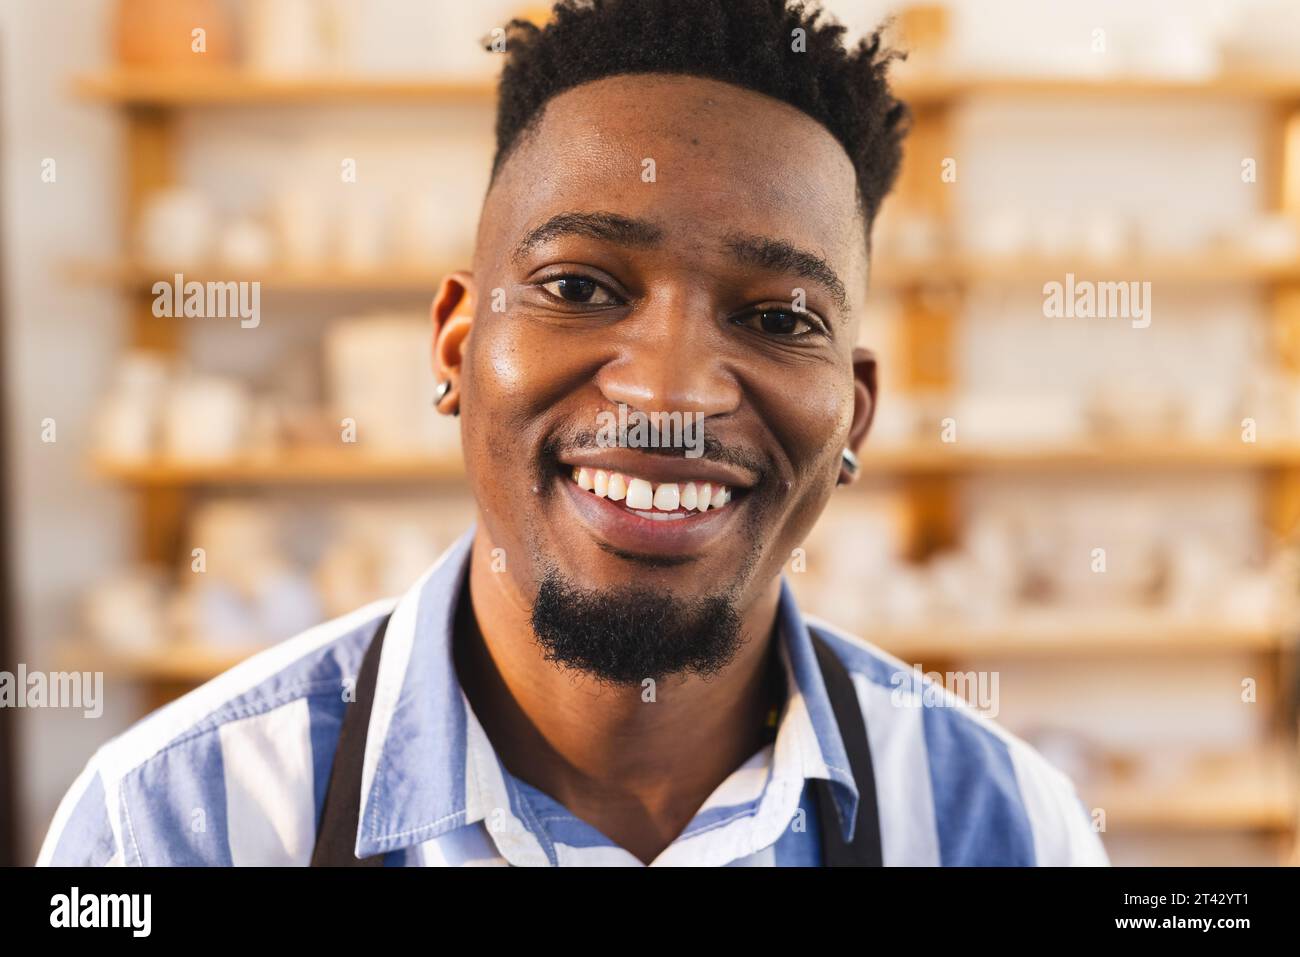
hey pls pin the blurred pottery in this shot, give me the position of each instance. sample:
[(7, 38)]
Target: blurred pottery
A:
[(162, 34), (285, 37), (176, 228)]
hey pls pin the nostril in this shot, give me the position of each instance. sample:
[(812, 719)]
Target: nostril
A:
[(686, 380)]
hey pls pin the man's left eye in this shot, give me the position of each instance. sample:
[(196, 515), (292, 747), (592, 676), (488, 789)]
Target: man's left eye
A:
[(579, 290), (779, 322)]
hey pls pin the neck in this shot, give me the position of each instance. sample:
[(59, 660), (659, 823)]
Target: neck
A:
[(635, 762)]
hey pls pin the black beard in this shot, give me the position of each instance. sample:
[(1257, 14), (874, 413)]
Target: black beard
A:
[(628, 635)]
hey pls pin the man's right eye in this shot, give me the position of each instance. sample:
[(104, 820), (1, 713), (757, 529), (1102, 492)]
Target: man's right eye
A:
[(580, 290)]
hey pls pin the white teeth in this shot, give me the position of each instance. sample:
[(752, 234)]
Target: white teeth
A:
[(639, 494), (661, 516), (649, 500), (667, 497), (617, 488), (689, 495)]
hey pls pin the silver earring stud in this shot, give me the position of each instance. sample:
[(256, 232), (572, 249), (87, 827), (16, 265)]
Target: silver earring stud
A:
[(850, 462), (441, 392)]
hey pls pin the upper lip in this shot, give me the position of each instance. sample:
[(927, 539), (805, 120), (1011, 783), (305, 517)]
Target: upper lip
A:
[(659, 468)]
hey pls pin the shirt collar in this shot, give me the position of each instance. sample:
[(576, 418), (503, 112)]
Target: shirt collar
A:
[(429, 768)]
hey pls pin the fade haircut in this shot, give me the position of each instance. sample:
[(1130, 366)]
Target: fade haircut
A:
[(747, 43)]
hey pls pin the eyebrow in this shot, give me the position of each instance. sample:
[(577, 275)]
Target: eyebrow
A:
[(760, 251), (777, 254), (609, 227)]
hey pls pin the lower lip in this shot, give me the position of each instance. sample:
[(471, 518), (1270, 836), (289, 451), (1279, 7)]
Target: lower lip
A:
[(626, 531)]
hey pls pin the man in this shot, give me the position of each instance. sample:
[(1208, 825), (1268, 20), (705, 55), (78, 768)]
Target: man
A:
[(608, 667)]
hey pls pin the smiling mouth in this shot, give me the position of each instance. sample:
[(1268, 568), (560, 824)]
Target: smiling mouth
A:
[(660, 502)]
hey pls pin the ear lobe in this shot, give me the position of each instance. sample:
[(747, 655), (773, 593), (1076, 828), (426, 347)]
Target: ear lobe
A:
[(452, 314)]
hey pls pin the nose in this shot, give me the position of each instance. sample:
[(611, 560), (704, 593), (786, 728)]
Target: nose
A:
[(671, 359)]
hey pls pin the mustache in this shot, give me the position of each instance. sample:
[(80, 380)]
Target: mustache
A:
[(715, 450)]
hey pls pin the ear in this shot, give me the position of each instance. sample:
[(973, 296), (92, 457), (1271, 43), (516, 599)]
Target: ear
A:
[(864, 402), (452, 314)]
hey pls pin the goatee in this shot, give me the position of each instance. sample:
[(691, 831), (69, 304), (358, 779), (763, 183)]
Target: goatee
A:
[(627, 635)]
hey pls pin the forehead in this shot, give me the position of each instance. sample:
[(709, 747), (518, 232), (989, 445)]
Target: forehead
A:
[(721, 158)]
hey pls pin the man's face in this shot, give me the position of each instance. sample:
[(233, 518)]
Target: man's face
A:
[(643, 246)]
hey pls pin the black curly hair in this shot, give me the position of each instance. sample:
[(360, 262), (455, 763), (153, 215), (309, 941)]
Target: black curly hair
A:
[(748, 43)]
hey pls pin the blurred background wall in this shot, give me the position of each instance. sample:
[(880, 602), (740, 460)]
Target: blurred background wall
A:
[(1090, 517)]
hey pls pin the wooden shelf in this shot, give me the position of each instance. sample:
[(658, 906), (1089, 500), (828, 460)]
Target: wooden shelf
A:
[(391, 278), (937, 457), (147, 88), (887, 273), (323, 467), (1208, 267), (1046, 636), (938, 88), (232, 87), (193, 662), (1253, 791), (179, 663), (301, 468)]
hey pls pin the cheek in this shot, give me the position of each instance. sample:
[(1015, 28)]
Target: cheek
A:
[(810, 415), (519, 369), (500, 361), (499, 378)]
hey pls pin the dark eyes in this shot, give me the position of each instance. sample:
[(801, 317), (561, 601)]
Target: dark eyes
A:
[(774, 321), (580, 290), (779, 322)]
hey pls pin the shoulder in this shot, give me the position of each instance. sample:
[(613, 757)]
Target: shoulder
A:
[(965, 790), (232, 770)]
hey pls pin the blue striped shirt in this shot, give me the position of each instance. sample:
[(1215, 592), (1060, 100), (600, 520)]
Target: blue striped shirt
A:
[(234, 773)]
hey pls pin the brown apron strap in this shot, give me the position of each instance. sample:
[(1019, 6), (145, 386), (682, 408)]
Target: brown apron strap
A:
[(336, 838)]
